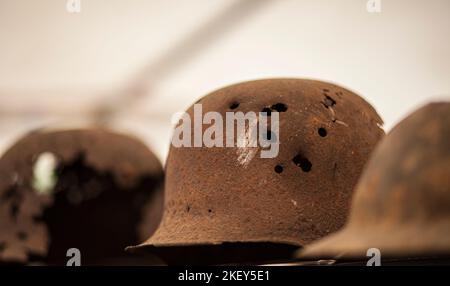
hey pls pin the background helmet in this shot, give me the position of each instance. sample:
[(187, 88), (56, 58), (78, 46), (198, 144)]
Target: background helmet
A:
[(402, 203), (231, 197), (85, 189)]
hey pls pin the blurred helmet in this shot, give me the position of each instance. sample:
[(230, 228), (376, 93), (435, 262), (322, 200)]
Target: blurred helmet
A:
[(90, 189), (231, 197), (402, 203)]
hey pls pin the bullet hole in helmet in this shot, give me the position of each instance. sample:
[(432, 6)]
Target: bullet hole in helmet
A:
[(266, 111), (278, 169), (188, 208), (322, 132), (210, 210), (234, 105), (22, 235), (329, 101), (302, 162), (280, 107)]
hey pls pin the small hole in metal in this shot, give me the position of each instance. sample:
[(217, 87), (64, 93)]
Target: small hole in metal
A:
[(322, 132), (278, 169)]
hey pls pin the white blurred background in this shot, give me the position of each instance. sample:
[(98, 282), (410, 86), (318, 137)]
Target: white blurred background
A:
[(134, 63)]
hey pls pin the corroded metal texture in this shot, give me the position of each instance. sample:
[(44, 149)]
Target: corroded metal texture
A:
[(402, 203), (107, 193), (216, 195)]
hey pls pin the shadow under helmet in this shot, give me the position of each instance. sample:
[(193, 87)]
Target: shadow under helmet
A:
[(222, 201)]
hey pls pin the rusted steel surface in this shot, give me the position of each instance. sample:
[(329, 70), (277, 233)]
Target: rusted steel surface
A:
[(108, 192), (401, 204), (213, 196)]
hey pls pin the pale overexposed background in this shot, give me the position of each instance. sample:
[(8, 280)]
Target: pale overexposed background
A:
[(145, 60)]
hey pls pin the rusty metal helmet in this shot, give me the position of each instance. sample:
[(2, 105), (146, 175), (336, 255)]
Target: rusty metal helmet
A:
[(232, 198), (402, 203), (90, 189)]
